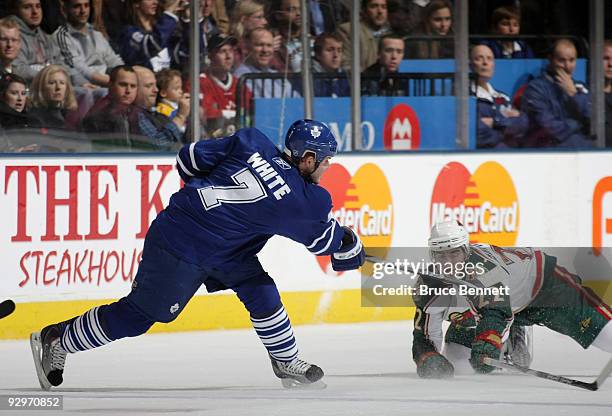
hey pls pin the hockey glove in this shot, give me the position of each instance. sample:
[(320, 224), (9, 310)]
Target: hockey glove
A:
[(434, 365), (351, 255), (486, 344)]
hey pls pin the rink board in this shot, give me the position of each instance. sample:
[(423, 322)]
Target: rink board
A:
[(73, 227)]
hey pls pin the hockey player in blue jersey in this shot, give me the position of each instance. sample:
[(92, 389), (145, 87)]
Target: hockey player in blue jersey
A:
[(239, 191)]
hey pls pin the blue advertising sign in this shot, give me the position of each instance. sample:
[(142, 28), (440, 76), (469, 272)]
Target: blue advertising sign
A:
[(388, 123)]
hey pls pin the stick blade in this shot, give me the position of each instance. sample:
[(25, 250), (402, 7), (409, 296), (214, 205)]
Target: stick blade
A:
[(6, 308)]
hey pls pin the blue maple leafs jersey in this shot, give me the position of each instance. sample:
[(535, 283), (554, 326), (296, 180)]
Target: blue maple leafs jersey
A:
[(238, 193)]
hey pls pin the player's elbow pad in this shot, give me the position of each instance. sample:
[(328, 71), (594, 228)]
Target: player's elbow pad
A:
[(351, 255)]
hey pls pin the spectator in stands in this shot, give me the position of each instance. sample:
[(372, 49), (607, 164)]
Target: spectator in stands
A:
[(84, 49), (248, 15), (14, 116), (287, 21), (558, 107), (506, 21), (109, 121), (146, 40), (114, 17), (97, 18), (325, 16), (10, 43), (437, 21), (13, 101), (328, 60), (218, 88), (219, 13), (53, 99), (260, 47), (170, 86), (379, 80), (124, 120), (404, 16), (373, 25), (608, 90), (499, 124), (54, 18), (180, 44), (163, 132), (38, 49)]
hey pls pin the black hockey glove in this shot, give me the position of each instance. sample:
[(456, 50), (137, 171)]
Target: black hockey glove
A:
[(351, 255), (434, 365)]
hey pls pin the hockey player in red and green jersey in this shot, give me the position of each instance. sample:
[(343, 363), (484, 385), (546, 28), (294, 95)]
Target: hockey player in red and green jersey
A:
[(533, 290)]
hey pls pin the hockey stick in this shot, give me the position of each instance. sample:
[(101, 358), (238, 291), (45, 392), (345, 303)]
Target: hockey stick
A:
[(560, 379), (6, 308), (443, 279)]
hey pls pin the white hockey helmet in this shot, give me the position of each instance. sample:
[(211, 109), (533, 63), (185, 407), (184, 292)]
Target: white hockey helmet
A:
[(448, 235)]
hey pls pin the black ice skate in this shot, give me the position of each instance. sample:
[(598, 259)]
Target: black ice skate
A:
[(298, 373), (49, 356)]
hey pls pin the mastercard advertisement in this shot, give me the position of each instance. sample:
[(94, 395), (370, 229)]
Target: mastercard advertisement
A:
[(485, 201), (363, 201)]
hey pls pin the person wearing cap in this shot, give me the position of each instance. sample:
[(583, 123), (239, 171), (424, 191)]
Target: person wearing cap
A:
[(218, 86)]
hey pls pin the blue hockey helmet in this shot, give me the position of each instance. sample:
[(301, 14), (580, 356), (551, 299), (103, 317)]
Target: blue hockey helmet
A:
[(310, 136)]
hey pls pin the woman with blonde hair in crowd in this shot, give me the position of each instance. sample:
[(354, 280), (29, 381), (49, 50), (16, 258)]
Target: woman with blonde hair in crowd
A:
[(437, 21), (54, 103), (248, 15)]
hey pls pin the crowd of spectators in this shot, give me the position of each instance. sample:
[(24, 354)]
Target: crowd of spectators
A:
[(114, 72)]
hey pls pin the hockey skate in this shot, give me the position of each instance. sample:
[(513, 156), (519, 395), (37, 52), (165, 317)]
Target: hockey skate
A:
[(518, 348), (49, 356), (298, 374)]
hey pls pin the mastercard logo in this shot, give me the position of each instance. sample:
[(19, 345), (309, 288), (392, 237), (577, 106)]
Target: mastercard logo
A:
[(402, 130), (485, 202), (361, 201)]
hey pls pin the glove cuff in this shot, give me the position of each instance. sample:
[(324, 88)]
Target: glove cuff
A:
[(492, 337)]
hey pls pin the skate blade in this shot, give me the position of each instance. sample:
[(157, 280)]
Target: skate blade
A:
[(36, 346), (296, 385)]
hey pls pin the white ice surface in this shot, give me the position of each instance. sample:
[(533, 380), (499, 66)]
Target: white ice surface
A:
[(369, 371)]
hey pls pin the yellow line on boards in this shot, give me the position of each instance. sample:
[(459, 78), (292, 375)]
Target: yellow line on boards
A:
[(219, 311)]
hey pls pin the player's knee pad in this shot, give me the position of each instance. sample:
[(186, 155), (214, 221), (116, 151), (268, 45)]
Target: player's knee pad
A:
[(122, 319), (259, 295)]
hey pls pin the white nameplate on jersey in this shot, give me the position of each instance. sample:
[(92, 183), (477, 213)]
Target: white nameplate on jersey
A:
[(269, 175), (280, 162)]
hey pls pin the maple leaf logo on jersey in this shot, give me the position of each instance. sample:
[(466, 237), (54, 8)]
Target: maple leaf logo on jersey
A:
[(315, 131)]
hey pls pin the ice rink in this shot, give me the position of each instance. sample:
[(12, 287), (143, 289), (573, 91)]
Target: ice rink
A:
[(369, 371)]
